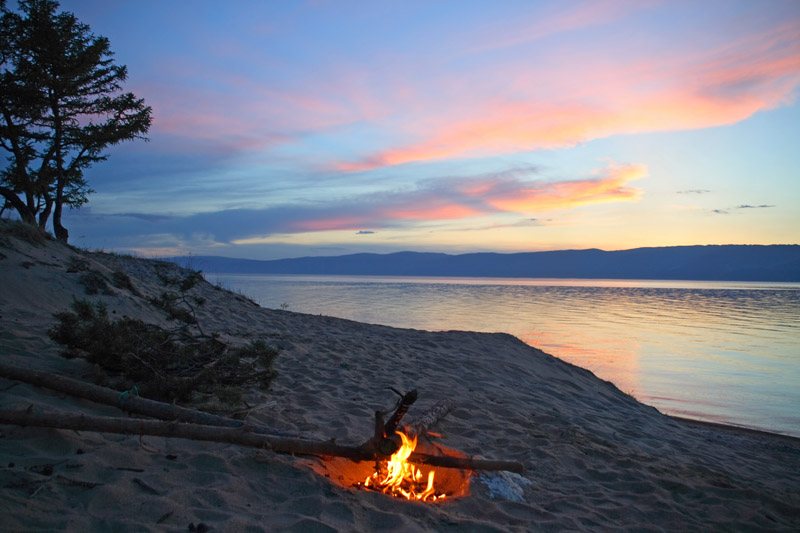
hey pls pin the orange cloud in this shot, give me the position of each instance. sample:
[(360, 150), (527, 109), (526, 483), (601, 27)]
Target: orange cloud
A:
[(485, 195), (611, 187)]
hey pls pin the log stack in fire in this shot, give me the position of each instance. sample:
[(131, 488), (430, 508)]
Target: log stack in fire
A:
[(408, 464)]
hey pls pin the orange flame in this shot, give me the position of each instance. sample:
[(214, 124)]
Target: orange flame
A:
[(402, 479)]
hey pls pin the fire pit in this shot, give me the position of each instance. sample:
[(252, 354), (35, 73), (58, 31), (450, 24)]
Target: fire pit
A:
[(400, 478), (406, 463)]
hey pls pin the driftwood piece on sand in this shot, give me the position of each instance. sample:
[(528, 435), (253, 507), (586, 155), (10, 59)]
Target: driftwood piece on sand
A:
[(241, 436), (432, 416), (130, 403)]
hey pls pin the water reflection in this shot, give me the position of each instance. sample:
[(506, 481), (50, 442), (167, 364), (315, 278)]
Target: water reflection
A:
[(724, 352)]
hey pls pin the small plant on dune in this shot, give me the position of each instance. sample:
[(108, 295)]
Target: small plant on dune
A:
[(165, 365), (93, 283), (177, 302), (122, 281), (77, 264)]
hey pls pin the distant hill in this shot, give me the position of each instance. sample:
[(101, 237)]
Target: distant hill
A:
[(724, 263)]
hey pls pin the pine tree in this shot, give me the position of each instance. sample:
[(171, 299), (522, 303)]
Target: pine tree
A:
[(62, 105)]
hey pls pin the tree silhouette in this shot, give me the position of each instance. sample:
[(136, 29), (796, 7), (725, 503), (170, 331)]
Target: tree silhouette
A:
[(62, 105)]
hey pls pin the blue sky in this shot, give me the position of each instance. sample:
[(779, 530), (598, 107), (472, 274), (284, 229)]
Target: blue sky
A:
[(285, 129)]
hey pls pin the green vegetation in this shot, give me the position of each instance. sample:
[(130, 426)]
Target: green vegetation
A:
[(94, 283), (122, 281), (165, 364), (180, 305)]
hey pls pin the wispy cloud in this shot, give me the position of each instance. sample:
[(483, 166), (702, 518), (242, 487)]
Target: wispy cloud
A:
[(563, 18), (520, 191), (723, 86), (728, 210), (694, 191)]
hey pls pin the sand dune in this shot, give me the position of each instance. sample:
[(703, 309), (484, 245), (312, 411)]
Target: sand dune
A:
[(594, 457)]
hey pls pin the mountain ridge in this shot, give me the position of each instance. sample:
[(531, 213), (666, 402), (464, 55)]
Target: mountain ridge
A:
[(730, 262)]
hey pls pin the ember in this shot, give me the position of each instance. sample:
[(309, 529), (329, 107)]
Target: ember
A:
[(401, 478)]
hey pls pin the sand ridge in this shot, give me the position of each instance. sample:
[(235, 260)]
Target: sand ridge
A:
[(595, 458)]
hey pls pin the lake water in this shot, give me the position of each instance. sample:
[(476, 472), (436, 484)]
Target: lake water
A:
[(717, 351)]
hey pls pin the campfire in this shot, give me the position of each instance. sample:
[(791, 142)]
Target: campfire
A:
[(401, 462), (402, 479), (398, 477), (405, 462)]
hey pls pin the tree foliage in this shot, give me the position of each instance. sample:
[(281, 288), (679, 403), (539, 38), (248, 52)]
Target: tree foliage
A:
[(62, 105)]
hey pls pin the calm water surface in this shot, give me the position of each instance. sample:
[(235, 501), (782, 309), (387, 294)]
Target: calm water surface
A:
[(718, 351)]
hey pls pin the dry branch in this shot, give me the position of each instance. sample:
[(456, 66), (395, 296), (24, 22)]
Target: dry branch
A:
[(241, 436), (128, 402)]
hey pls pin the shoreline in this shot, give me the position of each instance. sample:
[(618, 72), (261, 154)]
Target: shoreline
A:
[(676, 365), (737, 430), (594, 458)]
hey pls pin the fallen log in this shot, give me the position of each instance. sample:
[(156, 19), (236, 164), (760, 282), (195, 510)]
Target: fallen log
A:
[(241, 436), (128, 402)]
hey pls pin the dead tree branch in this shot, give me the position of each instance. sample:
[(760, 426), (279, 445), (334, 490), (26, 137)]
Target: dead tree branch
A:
[(240, 436), (130, 403)]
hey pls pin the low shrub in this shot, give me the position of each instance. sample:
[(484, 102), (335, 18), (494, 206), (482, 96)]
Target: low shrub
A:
[(165, 365)]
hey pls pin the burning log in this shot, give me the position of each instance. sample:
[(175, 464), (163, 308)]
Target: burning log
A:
[(242, 436), (402, 408), (386, 440)]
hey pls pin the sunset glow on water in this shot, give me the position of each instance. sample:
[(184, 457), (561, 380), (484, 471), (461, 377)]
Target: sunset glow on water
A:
[(717, 351)]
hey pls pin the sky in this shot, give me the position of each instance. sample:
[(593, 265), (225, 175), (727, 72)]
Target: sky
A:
[(290, 129)]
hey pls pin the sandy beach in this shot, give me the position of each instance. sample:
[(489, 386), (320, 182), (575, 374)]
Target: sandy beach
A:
[(594, 458)]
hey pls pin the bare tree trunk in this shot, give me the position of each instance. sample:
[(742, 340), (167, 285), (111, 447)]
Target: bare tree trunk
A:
[(60, 231), (45, 214)]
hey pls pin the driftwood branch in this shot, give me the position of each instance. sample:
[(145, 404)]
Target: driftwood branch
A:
[(241, 436), (432, 416), (129, 402), (206, 426)]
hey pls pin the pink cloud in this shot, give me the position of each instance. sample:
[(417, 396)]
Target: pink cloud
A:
[(460, 198), (576, 103), (438, 212), (335, 223)]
